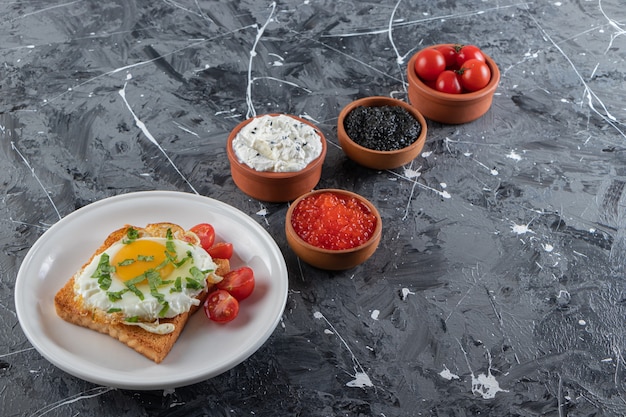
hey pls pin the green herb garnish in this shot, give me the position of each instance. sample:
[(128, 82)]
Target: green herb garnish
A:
[(169, 243), (178, 287), (164, 310), (193, 284), (154, 280), (126, 262), (103, 272), (197, 274), (132, 234), (133, 288), (116, 295)]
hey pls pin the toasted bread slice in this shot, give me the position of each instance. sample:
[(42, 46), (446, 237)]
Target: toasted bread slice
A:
[(70, 307)]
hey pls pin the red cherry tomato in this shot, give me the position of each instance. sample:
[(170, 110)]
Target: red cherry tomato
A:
[(429, 64), (206, 233), (221, 250), (448, 82), (467, 52), (238, 282), (475, 75), (449, 53), (221, 307)]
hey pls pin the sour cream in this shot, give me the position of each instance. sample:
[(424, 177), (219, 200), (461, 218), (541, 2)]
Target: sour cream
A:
[(277, 144)]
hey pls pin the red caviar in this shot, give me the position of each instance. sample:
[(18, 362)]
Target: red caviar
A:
[(333, 221)]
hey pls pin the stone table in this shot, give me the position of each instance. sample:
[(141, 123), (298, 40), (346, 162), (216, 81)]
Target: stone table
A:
[(498, 288)]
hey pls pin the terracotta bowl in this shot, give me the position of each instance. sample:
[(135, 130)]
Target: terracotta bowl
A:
[(451, 108), (274, 186), (333, 259), (380, 159)]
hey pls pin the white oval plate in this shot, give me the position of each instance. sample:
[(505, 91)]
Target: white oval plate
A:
[(204, 349)]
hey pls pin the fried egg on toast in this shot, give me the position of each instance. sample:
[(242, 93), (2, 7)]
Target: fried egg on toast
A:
[(141, 286)]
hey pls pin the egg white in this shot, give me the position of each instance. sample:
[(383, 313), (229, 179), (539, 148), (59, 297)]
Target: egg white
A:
[(130, 306)]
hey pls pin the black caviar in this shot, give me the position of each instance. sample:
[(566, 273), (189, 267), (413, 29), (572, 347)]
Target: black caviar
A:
[(382, 128)]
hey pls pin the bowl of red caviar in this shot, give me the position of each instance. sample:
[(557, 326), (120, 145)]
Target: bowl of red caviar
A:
[(381, 132), (271, 157), (333, 229)]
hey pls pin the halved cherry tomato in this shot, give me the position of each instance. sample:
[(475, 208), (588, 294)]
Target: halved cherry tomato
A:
[(475, 74), (238, 282), (449, 53), (221, 307), (429, 64), (467, 52), (206, 233), (221, 250), (449, 82)]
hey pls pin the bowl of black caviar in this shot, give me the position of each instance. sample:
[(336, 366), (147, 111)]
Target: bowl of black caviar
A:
[(381, 132)]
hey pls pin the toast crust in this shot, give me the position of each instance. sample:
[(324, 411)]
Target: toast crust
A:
[(71, 308)]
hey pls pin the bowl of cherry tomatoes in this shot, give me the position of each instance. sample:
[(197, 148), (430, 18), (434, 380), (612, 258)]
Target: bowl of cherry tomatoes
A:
[(333, 229), (452, 83)]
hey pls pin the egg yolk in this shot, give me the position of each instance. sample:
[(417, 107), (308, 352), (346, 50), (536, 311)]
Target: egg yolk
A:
[(139, 256)]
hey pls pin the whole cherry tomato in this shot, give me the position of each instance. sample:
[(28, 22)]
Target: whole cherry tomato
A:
[(221, 250), (221, 307), (475, 74), (448, 82), (467, 52), (206, 233), (449, 53), (429, 64), (238, 282)]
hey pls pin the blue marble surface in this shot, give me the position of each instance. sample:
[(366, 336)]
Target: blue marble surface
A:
[(498, 289)]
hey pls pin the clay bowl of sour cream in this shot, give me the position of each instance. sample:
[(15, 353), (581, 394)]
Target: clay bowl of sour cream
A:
[(333, 229), (381, 132), (276, 157)]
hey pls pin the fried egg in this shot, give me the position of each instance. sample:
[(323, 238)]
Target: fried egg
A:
[(146, 278)]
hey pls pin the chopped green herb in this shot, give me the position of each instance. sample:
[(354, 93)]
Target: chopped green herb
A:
[(172, 259), (105, 282), (116, 295), (154, 281), (132, 234), (197, 274), (197, 279), (103, 272), (154, 278), (136, 280), (126, 262), (193, 284), (169, 244), (178, 287), (145, 258), (135, 290), (166, 261), (163, 311), (114, 310), (133, 319)]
